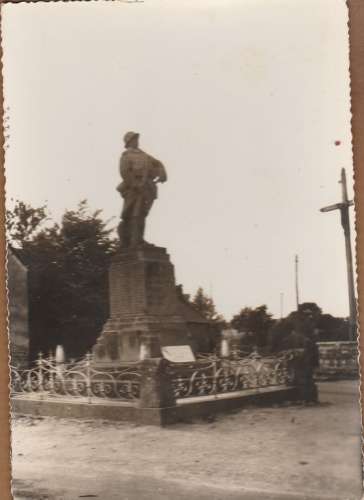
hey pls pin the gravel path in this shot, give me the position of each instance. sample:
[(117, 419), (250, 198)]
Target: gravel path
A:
[(274, 453)]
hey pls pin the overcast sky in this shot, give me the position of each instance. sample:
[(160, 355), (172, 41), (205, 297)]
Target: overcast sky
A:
[(242, 101)]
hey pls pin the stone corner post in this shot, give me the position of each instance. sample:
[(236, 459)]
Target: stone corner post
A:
[(156, 389)]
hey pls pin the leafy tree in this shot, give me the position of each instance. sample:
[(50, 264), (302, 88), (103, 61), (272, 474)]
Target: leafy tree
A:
[(68, 265), (255, 323), (310, 308), (304, 319), (23, 222), (308, 319), (206, 307), (332, 328), (278, 332)]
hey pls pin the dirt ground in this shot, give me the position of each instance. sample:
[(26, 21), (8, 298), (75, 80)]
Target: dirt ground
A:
[(271, 453)]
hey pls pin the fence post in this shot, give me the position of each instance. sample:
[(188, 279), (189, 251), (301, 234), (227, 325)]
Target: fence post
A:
[(225, 348), (214, 372), (52, 372), (156, 391), (88, 378), (40, 374)]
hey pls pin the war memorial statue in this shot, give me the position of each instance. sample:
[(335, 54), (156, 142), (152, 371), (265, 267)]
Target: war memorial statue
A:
[(140, 174), (145, 308)]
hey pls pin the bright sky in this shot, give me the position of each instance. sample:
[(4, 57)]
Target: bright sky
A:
[(243, 103)]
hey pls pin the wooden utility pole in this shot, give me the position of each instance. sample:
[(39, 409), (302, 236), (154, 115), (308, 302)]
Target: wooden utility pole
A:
[(345, 222), (296, 281)]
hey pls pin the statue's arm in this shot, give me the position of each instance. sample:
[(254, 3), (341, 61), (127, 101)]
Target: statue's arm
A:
[(159, 171)]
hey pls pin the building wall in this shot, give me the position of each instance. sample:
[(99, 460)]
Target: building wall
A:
[(18, 311)]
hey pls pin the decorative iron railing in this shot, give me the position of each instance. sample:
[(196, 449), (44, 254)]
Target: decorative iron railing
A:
[(76, 380), (208, 376), (214, 376), (338, 359)]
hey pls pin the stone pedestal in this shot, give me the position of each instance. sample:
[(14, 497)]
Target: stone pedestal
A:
[(143, 307)]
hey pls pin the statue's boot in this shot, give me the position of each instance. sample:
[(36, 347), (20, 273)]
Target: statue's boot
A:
[(123, 232), (142, 230), (136, 237), (137, 228)]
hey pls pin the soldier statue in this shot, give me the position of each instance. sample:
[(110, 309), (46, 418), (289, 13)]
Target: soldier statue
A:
[(140, 174)]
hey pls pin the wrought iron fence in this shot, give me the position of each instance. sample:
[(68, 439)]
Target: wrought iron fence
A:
[(338, 359), (76, 380), (209, 375), (213, 376)]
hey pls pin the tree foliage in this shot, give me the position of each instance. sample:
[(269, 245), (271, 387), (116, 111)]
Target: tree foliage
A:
[(308, 319), (206, 307), (24, 222), (333, 329), (67, 271), (255, 323)]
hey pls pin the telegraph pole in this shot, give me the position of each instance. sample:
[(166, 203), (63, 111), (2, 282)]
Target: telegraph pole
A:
[(345, 222), (296, 281)]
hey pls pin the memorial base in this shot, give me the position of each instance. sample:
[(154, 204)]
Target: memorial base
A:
[(144, 312), (184, 411)]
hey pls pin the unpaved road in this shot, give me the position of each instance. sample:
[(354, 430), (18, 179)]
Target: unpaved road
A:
[(272, 454)]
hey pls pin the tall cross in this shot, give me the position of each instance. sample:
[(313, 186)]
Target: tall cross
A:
[(345, 222)]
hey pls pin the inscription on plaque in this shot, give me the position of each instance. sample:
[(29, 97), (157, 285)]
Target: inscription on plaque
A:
[(178, 353)]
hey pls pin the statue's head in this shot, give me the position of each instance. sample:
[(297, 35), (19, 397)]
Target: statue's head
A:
[(131, 140)]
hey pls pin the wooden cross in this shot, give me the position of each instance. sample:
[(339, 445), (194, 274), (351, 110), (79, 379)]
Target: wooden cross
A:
[(345, 222)]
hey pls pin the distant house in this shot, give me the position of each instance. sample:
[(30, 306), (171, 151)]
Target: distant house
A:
[(17, 274), (203, 334)]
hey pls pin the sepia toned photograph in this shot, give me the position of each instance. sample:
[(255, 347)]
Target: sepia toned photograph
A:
[(180, 231)]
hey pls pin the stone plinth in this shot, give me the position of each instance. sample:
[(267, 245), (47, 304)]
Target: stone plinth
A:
[(143, 307)]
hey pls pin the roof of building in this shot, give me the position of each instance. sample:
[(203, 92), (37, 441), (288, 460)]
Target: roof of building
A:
[(187, 310), (16, 253), (190, 314)]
